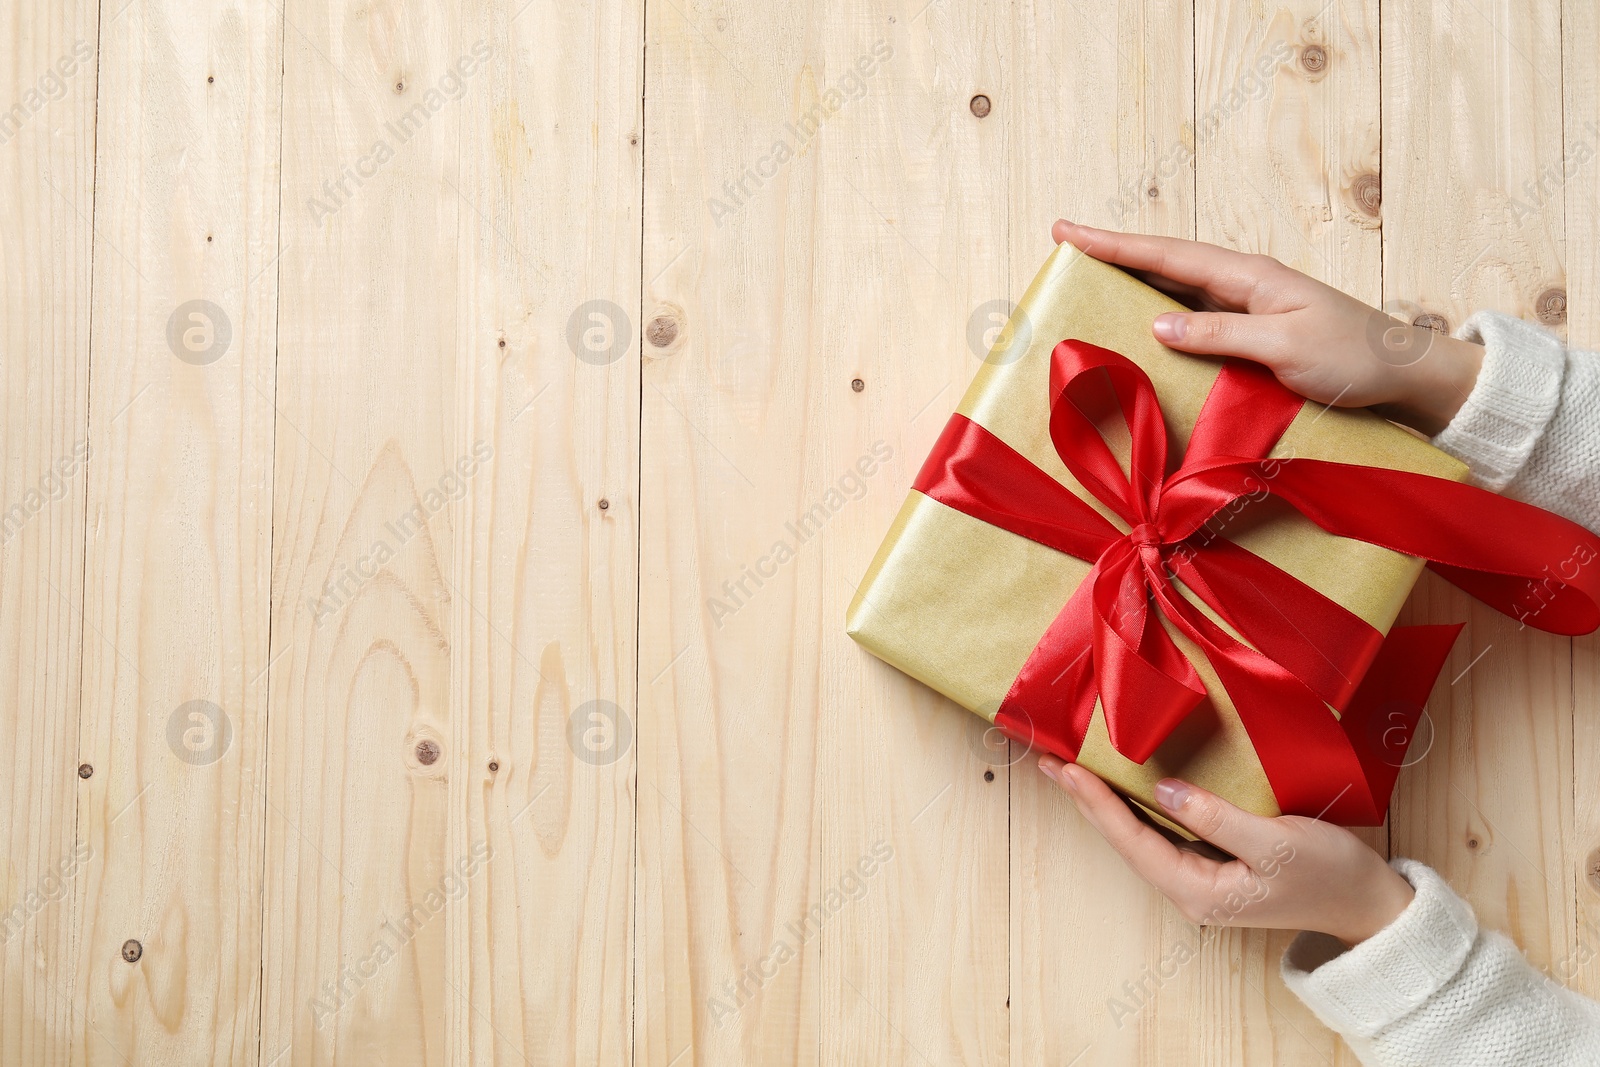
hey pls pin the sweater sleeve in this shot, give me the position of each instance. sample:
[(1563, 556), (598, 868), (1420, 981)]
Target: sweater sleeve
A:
[(1431, 988), (1531, 426)]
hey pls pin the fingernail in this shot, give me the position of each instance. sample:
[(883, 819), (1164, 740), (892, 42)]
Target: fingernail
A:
[(1171, 327), (1067, 780), (1056, 771), (1172, 794)]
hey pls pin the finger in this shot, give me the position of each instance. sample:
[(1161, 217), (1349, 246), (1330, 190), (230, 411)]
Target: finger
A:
[(1191, 295), (1252, 838), (1230, 276), (1219, 333), (1154, 858), (1203, 849)]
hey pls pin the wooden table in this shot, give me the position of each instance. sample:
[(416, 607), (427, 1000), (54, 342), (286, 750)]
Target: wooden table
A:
[(430, 469)]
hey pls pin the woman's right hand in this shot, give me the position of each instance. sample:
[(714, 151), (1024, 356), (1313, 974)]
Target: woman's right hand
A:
[(1321, 343), (1292, 873)]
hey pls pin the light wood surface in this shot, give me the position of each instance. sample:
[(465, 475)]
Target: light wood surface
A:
[(449, 619)]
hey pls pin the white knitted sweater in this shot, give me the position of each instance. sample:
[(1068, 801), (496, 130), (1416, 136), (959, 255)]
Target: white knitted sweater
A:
[(1431, 988)]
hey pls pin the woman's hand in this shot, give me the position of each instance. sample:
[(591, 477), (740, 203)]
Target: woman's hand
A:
[(1292, 873), (1321, 343)]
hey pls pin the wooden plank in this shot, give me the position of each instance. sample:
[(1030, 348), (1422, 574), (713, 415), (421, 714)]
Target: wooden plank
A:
[(911, 229), (1287, 164), (550, 187), (177, 574), (1099, 109), (1577, 185), (47, 109), (767, 250), (368, 868), (1472, 112), (728, 835)]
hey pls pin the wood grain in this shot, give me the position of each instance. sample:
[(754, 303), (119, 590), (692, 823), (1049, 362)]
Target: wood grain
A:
[(47, 93)]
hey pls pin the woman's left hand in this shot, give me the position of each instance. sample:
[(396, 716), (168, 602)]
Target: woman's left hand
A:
[(1292, 873)]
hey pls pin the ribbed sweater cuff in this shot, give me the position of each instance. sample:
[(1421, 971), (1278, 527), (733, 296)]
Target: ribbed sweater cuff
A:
[(1515, 397), (1363, 990)]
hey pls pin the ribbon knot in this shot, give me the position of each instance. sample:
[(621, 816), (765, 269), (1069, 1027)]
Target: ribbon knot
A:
[(1301, 653), (1145, 537)]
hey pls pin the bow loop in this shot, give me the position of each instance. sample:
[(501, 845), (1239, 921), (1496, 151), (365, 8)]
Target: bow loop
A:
[(1075, 408)]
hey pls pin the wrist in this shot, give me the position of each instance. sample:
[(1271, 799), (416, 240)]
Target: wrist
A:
[(1431, 391), (1380, 904)]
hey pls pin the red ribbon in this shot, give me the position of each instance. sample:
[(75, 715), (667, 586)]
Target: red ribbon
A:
[(1304, 652)]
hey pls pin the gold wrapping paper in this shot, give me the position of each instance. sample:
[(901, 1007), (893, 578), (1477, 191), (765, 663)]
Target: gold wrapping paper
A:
[(959, 604)]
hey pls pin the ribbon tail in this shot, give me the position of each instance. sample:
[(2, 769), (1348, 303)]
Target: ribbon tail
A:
[(1052, 698), (1147, 686), (1305, 755), (1381, 720), (1319, 641), (1529, 564)]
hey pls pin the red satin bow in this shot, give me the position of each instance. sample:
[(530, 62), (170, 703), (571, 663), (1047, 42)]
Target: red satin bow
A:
[(1304, 651)]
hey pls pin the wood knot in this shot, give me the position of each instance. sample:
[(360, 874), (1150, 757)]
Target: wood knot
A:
[(1551, 307), (979, 105), (1430, 321), (1367, 192), (1591, 870), (400, 87), (633, 139), (132, 950), (1154, 192), (494, 766), (661, 331), (604, 505), (1473, 843), (988, 776), (1314, 58), (85, 770), (857, 384), (427, 752)]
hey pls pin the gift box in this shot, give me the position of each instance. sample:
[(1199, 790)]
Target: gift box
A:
[(1158, 564)]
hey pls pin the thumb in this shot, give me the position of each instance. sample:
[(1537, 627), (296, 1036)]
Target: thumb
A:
[(1216, 333), (1247, 836)]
